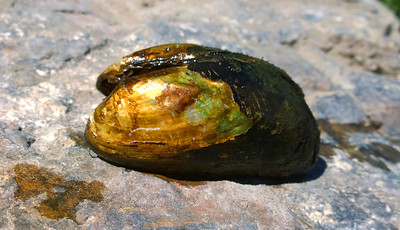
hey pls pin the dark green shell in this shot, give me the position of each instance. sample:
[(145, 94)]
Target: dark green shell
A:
[(281, 139)]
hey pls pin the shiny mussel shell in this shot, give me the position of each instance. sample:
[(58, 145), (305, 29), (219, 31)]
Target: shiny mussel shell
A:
[(197, 112)]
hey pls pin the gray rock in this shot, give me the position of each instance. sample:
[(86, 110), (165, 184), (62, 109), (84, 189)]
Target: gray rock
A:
[(344, 54), (380, 99), (338, 108)]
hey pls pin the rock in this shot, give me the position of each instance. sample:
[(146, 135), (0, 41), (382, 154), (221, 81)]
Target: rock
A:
[(380, 99), (338, 108), (344, 54)]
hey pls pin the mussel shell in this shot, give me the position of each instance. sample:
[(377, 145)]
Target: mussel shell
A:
[(280, 138)]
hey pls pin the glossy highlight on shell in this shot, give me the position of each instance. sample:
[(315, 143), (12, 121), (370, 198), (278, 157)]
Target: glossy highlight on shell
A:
[(196, 112)]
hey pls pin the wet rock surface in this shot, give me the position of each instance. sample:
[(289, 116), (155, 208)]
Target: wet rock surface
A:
[(344, 54)]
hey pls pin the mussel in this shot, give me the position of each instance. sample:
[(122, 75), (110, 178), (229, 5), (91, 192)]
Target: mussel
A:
[(195, 112)]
